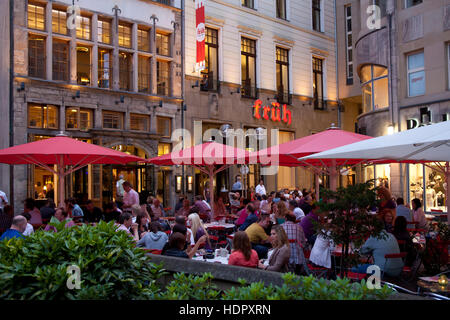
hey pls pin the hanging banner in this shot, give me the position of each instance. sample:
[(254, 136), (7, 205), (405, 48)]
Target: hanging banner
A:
[(200, 33)]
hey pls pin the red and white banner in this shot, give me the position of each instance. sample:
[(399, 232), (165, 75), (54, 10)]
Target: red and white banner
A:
[(200, 33)]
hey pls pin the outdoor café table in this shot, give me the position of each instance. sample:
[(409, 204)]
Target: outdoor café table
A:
[(219, 224), (216, 259)]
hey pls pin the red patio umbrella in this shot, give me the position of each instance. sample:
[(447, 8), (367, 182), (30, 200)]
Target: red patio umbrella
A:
[(63, 151), (287, 154), (205, 157)]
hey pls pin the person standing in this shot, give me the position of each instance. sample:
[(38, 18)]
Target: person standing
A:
[(418, 214), (260, 189), (3, 200), (130, 197), (120, 190), (237, 186)]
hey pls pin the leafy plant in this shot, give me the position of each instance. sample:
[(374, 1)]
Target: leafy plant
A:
[(190, 287), (348, 221), (110, 264)]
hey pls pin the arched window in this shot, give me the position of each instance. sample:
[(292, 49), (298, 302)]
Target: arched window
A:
[(375, 87)]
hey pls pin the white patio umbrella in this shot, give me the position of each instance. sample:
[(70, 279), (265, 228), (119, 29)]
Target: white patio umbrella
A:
[(421, 145)]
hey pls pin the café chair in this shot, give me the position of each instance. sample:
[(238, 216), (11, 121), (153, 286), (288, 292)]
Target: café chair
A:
[(316, 271), (153, 251), (401, 255)]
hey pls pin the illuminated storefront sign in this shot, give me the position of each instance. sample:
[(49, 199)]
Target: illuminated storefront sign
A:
[(424, 119), (275, 112)]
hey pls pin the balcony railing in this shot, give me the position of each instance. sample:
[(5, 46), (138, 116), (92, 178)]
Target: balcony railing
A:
[(162, 87), (248, 90), (319, 104), (167, 2), (209, 83), (283, 96), (84, 74), (104, 77)]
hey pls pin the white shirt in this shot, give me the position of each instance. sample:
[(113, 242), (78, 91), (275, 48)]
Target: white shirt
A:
[(131, 198), (3, 202), (321, 252), (119, 188), (29, 230), (260, 189), (299, 214)]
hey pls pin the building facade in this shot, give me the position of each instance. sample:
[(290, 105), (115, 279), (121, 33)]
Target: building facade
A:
[(394, 71), (111, 76), (269, 65)]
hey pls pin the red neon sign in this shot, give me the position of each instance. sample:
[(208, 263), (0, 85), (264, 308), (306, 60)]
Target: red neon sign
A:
[(275, 112)]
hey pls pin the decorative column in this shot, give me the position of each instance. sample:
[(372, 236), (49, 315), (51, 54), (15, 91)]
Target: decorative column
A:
[(135, 68), (49, 42), (153, 71), (94, 76), (115, 43)]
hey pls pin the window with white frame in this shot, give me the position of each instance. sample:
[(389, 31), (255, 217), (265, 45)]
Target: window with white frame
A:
[(349, 43), (448, 65), (416, 74), (412, 3)]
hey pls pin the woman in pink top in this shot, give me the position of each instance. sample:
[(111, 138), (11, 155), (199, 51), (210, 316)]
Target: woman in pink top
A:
[(243, 255), (418, 214)]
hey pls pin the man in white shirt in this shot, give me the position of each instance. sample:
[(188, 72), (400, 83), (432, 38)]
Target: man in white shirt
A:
[(260, 189), (299, 214), (130, 197), (3, 200)]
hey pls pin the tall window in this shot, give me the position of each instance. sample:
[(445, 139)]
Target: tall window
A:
[(144, 74), (59, 21), (281, 9), (163, 148), (375, 87), (112, 120), (282, 70), (448, 64), (248, 67), (162, 78), (164, 126), (416, 74), (124, 35), (318, 83), (104, 31), (139, 122), (349, 44), (316, 21), (382, 4), (42, 116), (210, 74), (83, 65), (162, 44), (143, 40), (36, 16), (125, 70), (411, 3), (60, 60), (105, 64), (248, 3), (84, 30), (77, 118), (36, 56)]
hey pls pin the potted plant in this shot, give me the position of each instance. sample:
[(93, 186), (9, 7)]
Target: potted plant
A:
[(349, 221)]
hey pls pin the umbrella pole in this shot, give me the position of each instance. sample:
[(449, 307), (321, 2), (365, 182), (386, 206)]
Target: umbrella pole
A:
[(316, 176), (211, 189), (447, 179), (333, 175), (60, 187)]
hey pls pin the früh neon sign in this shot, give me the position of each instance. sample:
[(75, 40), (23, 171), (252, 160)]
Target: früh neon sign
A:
[(275, 112)]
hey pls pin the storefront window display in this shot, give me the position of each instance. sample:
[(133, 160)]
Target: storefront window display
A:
[(432, 180), (381, 173)]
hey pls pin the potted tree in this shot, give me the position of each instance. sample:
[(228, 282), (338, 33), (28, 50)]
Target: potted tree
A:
[(349, 221)]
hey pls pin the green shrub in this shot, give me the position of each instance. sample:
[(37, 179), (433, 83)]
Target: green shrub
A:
[(110, 264), (294, 288)]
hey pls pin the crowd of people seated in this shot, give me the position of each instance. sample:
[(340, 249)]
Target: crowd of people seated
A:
[(283, 222)]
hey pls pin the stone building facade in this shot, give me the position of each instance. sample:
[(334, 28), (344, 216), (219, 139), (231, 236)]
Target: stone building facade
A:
[(393, 76), (114, 80), (277, 54)]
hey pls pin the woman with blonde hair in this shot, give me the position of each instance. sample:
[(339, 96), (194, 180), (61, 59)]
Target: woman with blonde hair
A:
[(387, 202), (281, 212), (198, 229), (279, 259)]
